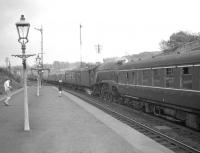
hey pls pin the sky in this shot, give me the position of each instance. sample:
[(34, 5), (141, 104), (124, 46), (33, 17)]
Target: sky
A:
[(121, 27)]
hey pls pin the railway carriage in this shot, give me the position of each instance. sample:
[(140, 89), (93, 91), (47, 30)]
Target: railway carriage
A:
[(72, 77), (53, 78), (167, 86), (80, 78)]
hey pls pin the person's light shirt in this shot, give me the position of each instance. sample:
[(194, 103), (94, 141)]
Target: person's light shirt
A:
[(7, 85)]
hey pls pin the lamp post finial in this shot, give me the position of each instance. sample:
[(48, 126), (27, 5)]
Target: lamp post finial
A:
[(22, 18)]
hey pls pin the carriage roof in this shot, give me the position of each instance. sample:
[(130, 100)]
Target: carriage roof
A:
[(165, 60)]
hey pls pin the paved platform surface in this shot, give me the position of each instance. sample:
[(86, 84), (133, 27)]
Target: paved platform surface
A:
[(63, 125)]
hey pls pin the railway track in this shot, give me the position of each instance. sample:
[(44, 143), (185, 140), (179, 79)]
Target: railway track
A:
[(156, 135)]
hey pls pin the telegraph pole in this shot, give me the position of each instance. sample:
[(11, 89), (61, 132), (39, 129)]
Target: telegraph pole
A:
[(80, 47), (41, 31), (98, 48), (42, 46)]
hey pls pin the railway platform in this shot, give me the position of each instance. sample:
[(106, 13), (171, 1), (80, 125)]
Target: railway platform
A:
[(66, 124)]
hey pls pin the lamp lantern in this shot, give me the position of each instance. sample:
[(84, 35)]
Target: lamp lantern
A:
[(23, 30)]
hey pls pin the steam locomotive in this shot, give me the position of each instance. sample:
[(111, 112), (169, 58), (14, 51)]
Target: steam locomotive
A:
[(166, 86)]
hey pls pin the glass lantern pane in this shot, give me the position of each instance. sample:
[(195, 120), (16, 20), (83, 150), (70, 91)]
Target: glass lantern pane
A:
[(23, 31)]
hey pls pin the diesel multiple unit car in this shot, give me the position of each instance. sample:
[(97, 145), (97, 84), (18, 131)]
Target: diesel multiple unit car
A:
[(166, 86)]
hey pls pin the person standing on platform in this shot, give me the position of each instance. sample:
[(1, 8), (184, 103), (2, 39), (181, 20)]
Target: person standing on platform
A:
[(7, 88), (60, 87)]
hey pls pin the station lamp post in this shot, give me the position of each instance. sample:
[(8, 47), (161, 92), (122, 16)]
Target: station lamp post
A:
[(39, 69), (23, 30), (38, 59)]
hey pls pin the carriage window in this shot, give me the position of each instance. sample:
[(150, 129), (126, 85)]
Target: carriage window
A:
[(169, 78), (145, 77), (120, 77), (169, 82), (187, 70), (138, 77), (133, 77), (127, 77), (156, 72), (186, 80), (157, 78), (169, 71)]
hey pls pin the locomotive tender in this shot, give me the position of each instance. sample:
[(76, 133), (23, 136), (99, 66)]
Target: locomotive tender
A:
[(166, 86)]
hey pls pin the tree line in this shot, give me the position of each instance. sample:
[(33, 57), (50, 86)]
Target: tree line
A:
[(177, 40)]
